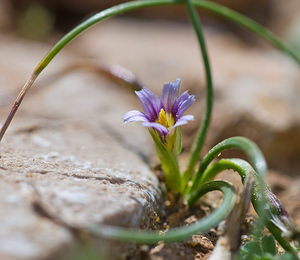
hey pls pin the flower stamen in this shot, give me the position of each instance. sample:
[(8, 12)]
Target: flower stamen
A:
[(166, 119)]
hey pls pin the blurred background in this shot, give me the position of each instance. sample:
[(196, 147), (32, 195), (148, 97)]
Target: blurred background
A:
[(38, 19), (256, 88)]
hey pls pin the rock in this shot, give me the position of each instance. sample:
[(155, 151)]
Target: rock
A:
[(68, 143)]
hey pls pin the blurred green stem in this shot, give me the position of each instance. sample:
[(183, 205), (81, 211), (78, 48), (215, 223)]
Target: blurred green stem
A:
[(169, 164), (203, 128)]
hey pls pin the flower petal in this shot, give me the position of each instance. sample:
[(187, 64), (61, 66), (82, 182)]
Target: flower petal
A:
[(184, 104), (162, 130), (183, 120), (169, 95), (134, 116), (150, 103), (179, 101)]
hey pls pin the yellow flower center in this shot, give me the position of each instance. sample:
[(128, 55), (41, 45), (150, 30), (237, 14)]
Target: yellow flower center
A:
[(166, 119)]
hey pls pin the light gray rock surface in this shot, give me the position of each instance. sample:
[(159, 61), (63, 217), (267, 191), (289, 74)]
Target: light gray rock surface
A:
[(68, 143)]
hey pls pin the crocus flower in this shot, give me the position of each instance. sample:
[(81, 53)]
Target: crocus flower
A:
[(162, 114)]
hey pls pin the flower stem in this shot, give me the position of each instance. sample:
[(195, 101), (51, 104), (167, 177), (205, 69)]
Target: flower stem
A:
[(169, 164), (203, 128)]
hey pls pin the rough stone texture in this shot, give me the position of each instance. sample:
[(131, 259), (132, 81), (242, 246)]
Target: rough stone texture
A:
[(256, 90), (68, 143)]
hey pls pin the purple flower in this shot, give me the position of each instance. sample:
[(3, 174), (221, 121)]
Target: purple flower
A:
[(164, 114)]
